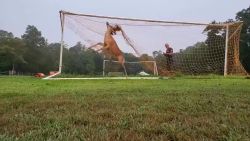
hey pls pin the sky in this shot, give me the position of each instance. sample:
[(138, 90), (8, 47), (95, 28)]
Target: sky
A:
[(15, 15)]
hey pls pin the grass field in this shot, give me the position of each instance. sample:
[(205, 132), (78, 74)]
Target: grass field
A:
[(206, 108)]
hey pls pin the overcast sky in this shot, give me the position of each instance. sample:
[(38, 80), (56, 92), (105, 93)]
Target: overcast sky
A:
[(15, 15)]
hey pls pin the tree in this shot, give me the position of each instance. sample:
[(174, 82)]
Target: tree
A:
[(11, 51), (37, 56), (33, 37), (54, 53), (244, 15), (79, 60), (129, 57), (4, 35)]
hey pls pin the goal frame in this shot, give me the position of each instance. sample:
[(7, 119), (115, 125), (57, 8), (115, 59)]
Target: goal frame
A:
[(155, 69), (62, 20)]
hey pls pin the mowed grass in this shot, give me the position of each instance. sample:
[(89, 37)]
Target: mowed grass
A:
[(209, 108)]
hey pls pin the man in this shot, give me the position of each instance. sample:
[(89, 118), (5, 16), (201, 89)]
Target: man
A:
[(169, 56)]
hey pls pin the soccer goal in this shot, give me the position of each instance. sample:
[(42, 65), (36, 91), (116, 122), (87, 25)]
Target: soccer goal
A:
[(197, 48), (139, 68)]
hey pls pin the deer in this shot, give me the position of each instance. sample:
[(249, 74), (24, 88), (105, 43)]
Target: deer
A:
[(110, 47)]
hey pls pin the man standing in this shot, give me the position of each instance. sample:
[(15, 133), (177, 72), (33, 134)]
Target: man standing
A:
[(169, 56)]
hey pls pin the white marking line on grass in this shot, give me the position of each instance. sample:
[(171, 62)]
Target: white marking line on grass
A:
[(96, 78)]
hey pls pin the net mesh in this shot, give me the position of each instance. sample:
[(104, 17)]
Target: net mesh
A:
[(140, 68), (197, 48)]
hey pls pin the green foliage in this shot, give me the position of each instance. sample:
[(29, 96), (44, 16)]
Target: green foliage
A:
[(32, 54), (11, 51), (37, 56), (130, 57), (202, 57), (33, 38), (79, 60), (4, 35), (244, 15)]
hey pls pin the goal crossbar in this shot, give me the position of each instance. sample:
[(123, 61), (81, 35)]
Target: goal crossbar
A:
[(143, 20)]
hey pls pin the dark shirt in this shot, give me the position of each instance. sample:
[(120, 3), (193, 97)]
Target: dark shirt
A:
[(169, 52)]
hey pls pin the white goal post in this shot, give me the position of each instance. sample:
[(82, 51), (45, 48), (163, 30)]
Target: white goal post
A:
[(154, 69)]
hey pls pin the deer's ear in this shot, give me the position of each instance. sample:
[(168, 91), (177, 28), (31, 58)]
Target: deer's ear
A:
[(118, 27), (107, 23)]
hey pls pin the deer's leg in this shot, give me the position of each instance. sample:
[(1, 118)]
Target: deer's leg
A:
[(125, 71), (106, 52), (121, 60)]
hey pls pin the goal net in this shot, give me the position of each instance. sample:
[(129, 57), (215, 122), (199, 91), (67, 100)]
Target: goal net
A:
[(197, 48), (138, 68)]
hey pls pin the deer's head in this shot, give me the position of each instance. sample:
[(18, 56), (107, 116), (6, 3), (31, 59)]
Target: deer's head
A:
[(113, 29)]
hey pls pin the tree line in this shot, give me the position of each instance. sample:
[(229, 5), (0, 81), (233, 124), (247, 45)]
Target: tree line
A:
[(32, 53)]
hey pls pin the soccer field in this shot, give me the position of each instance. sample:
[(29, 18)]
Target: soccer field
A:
[(181, 108)]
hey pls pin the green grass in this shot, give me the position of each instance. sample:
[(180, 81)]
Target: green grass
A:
[(185, 108)]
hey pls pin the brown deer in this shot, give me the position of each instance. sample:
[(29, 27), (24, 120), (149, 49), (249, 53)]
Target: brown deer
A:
[(110, 47)]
